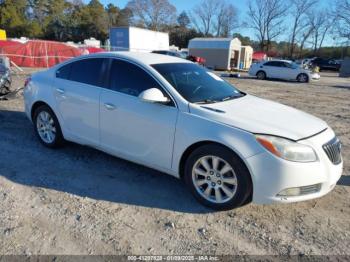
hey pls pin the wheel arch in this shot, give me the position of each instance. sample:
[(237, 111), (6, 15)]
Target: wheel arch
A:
[(36, 105), (261, 70), (302, 73), (196, 145)]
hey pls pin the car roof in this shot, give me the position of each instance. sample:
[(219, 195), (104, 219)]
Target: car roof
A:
[(143, 57), (279, 60), (166, 51)]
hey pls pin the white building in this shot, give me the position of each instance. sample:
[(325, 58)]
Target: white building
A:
[(137, 39), (219, 53), (246, 57), (92, 42), (345, 68)]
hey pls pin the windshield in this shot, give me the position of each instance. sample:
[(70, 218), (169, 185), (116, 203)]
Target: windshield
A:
[(182, 55), (196, 84), (294, 65)]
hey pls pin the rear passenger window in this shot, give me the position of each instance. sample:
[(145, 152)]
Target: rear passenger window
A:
[(64, 72), (130, 79), (87, 71)]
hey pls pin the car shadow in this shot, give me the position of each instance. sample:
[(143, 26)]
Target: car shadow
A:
[(342, 87), (344, 181), (86, 172), (285, 80), (267, 79)]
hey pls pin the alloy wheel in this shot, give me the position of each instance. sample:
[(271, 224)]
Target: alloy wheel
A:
[(303, 78), (46, 127), (261, 75), (214, 179)]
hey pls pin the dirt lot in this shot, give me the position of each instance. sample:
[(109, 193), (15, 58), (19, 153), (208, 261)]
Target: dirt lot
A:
[(77, 200)]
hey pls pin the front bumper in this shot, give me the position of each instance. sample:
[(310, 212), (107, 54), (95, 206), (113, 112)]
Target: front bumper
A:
[(271, 174), (315, 76)]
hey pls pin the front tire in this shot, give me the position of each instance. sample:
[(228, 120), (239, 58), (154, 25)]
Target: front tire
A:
[(5, 88), (47, 127), (303, 78), (217, 177)]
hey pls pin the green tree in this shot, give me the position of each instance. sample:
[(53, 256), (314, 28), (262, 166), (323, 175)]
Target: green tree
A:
[(183, 20), (98, 26), (125, 17), (38, 12), (90, 20), (56, 20), (117, 16), (245, 40), (152, 14), (13, 18), (113, 14), (180, 36), (33, 30)]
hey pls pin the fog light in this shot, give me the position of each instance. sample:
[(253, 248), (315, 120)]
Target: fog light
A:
[(300, 191), (294, 191)]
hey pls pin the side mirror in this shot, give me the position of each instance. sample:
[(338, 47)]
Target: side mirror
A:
[(153, 95)]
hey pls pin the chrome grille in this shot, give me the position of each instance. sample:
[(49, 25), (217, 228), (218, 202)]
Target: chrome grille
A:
[(333, 150), (305, 190)]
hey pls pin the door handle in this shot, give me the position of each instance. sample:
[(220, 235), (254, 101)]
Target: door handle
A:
[(59, 90), (110, 106)]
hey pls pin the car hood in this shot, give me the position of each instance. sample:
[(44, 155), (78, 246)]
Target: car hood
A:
[(262, 116)]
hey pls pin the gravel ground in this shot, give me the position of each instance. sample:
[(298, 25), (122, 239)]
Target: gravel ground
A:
[(77, 200)]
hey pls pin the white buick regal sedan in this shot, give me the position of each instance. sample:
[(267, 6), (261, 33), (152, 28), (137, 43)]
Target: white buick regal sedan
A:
[(175, 116)]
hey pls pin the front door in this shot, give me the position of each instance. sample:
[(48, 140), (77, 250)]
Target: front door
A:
[(132, 128), (291, 70), (272, 69)]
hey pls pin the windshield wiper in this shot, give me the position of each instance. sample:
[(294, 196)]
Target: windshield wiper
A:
[(231, 97), (210, 101), (206, 101)]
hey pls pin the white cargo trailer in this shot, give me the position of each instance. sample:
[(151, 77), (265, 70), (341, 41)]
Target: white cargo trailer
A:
[(137, 39), (219, 53), (345, 68)]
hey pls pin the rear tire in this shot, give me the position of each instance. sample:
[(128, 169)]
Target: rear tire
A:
[(47, 127), (261, 75), (303, 78), (5, 88), (217, 177)]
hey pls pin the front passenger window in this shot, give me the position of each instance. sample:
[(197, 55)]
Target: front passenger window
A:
[(130, 79)]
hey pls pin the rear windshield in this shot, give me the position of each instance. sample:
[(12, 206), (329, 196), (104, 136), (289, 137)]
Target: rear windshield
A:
[(196, 84)]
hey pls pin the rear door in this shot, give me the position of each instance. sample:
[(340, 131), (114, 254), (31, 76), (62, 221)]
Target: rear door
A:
[(131, 128), (77, 91)]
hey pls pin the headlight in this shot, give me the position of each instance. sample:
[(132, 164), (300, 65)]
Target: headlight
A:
[(287, 149)]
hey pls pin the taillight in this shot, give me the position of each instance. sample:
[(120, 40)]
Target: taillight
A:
[(26, 83)]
